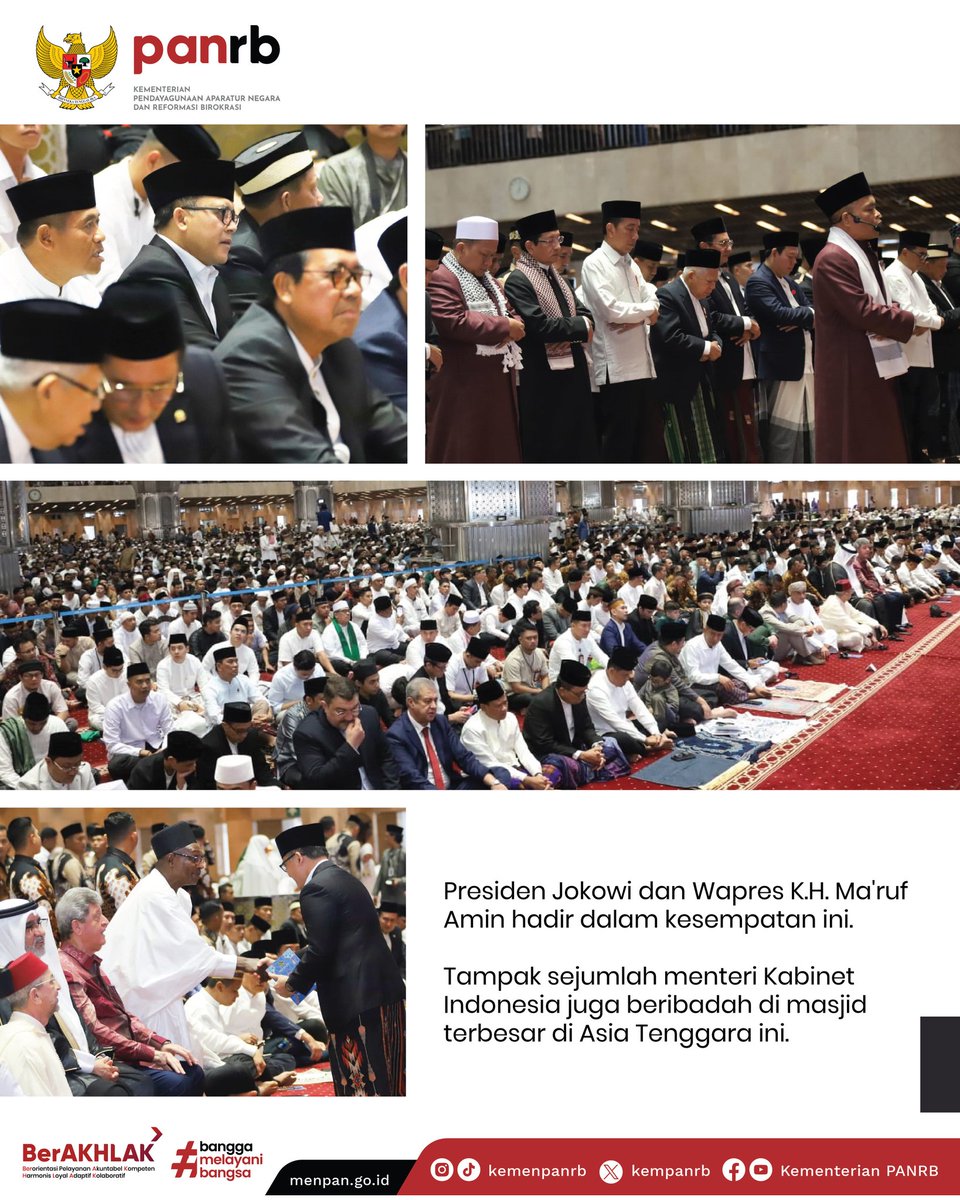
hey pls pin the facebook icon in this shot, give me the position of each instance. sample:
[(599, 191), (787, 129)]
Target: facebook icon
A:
[(734, 1169)]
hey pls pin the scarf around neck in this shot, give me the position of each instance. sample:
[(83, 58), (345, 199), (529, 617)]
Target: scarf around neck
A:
[(490, 302), (888, 355)]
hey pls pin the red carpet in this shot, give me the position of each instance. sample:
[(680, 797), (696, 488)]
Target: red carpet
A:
[(895, 728)]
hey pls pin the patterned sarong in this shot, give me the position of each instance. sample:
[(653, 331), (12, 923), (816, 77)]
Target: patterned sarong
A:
[(369, 1058)]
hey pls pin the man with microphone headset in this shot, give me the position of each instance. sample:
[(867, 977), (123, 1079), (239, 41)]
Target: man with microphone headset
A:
[(859, 331)]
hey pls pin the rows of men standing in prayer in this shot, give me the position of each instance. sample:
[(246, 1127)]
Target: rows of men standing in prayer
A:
[(140, 1001), (145, 318), (723, 363)]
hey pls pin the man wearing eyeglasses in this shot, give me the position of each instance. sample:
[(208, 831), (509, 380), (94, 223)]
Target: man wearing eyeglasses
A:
[(359, 986), (167, 403), (59, 241), (735, 374), (920, 387), (557, 407), (50, 378), (63, 770), (154, 954), (296, 381), (195, 220)]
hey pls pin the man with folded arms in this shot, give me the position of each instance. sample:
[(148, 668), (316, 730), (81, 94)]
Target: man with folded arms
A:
[(859, 334)]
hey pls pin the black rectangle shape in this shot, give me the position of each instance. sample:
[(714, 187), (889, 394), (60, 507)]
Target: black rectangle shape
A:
[(940, 1064)]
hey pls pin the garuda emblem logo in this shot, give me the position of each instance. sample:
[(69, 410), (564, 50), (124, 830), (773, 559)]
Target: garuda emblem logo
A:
[(77, 69)]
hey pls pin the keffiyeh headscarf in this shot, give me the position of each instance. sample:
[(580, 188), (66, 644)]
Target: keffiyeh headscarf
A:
[(484, 296)]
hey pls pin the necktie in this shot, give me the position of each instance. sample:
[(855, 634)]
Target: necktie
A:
[(434, 761)]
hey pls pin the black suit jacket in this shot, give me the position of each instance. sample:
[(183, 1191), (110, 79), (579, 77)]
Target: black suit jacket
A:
[(147, 775), (243, 270), (215, 745), (728, 369), (677, 343), (346, 956), (327, 760), (952, 280), (545, 727), (157, 263), (946, 341), (731, 643), (278, 418), (193, 428), (779, 351)]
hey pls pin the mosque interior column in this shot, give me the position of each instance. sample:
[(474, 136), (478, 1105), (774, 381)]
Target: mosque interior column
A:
[(711, 505), (14, 532), (158, 507), (486, 518)]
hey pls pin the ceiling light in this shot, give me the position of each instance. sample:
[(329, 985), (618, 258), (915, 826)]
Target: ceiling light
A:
[(579, 220), (815, 228), (671, 250), (725, 208), (664, 225), (582, 249), (767, 225), (772, 208), (920, 200), (952, 217), (897, 228)]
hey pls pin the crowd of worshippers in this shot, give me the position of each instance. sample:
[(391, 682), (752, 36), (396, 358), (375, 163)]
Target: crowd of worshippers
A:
[(413, 678), (180, 307), (814, 353), (88, 1037), (150, 1004)]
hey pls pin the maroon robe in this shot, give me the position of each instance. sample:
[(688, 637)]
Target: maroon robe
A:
[(471, 402), (857, 412)]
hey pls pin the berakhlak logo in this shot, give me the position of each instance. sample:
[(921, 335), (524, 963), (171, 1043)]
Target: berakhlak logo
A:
[(77, 68), (186, 1161)]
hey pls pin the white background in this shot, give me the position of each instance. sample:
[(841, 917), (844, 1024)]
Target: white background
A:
[(858, 1077)]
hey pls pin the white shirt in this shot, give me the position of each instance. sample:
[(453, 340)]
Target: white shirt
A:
[(616, 292), (657, 589), (217, 692), (9, 221), (20, 280), (286, 687), (702, 664), (101, 689), (18, 444), (140, 445), (499, 744), (906, 288), (324, 399), (292, 643), (552, 580), (749, 370), (39, 744), (246, 659), (491, 624), (203, 278), (181, 681), (14, 700), (38, 778), (462, 679), (383, 633), (27, 1052), (330, 640), (208, 1026), (124, 218), (609, 705), (128, 726), (567, 646), (630, 594), (701, 319)]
